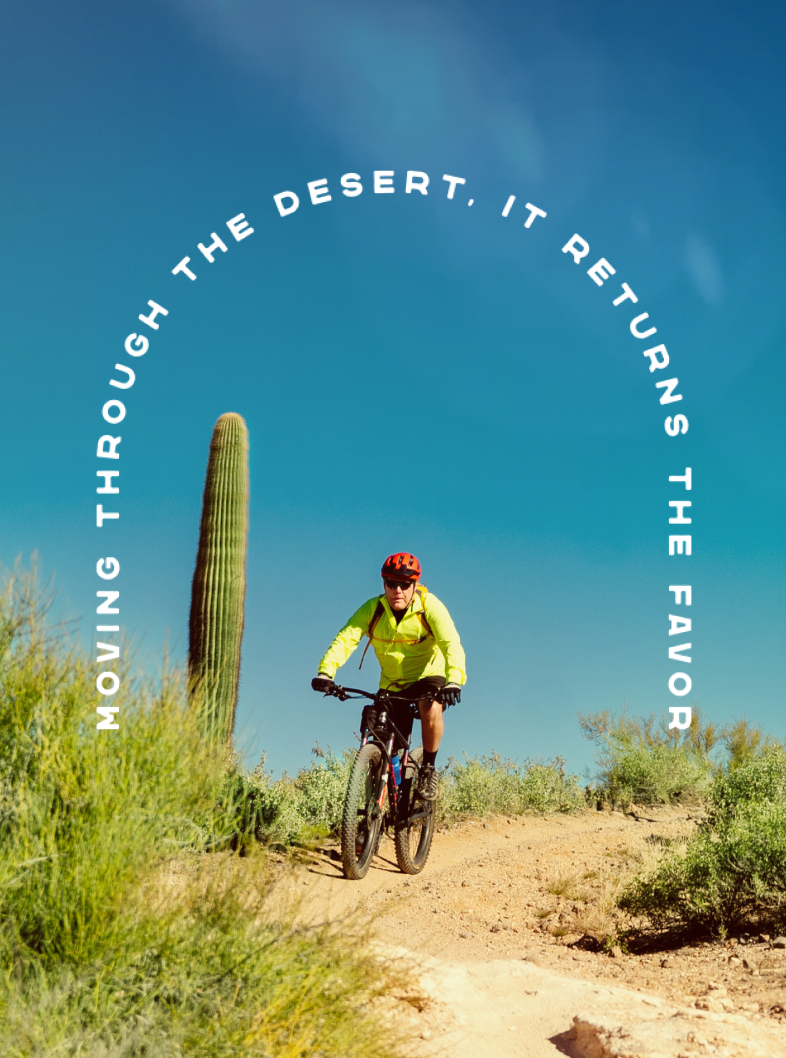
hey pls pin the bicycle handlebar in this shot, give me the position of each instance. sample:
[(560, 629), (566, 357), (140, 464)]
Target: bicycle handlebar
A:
[(344, 693)]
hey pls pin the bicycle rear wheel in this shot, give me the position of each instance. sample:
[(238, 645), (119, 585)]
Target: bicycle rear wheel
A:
[(416, 827), (362, 818)]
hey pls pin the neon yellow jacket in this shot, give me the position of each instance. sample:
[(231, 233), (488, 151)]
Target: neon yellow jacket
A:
[(406, 651)]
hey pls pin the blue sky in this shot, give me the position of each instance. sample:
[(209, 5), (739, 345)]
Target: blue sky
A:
[(415, 373)]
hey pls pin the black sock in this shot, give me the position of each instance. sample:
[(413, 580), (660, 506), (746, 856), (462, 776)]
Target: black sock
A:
[(429, 757)]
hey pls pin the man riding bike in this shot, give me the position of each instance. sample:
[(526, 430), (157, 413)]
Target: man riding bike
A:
[(419, 653)]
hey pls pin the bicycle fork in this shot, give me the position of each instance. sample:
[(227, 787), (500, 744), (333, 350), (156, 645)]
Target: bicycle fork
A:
[(385, 777)]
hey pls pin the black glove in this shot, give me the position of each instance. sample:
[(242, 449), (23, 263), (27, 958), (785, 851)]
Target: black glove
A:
[(450, 694), (322, 683)]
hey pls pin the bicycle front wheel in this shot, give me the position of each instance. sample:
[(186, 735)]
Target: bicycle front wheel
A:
[(415, 827), (362, 818)]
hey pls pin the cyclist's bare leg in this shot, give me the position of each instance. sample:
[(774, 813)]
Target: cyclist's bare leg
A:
[(431, 723)]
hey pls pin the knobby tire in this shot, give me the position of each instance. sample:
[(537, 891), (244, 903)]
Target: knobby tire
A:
[(359, 832), (413, 841)]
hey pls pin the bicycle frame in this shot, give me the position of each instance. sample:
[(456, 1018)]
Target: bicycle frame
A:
[(376, 724), (372, 777)]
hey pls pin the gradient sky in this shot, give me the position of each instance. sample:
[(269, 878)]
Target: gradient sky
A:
[(416, 374)]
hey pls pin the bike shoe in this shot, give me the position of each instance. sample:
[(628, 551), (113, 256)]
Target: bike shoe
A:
[(427, 783)]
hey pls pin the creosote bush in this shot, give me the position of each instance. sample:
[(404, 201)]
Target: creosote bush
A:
[(643, 762)]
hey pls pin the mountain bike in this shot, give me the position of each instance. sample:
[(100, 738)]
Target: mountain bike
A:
[(381, 792)]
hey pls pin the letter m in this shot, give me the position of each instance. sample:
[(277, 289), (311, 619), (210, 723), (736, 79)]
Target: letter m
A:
[(107, 711), (109, 597)]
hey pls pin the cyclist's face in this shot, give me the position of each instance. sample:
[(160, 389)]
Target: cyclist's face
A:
[(399, 596)]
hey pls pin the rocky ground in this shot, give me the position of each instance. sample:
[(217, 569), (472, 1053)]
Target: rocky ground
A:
[(502, 940)]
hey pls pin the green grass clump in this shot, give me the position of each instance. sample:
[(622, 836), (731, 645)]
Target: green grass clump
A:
[(484, 785), (641, 762), (83, 811), (733, 870), (208, 974), (119, 934)]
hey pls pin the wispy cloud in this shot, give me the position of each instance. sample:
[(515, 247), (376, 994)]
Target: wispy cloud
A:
[(412, 76), (704, 269)]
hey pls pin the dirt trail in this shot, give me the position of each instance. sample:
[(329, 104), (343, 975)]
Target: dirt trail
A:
[(494, 937)]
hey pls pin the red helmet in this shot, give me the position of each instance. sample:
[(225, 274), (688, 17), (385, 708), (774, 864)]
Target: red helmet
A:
[(401, 566)]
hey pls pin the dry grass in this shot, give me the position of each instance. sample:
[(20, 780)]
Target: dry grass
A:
[(596, 893), (566, 886)]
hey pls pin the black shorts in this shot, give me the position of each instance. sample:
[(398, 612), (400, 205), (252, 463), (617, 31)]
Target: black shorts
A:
[(424, 688), (421, 689)]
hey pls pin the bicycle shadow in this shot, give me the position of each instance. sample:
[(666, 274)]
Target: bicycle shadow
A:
[(330, 864)]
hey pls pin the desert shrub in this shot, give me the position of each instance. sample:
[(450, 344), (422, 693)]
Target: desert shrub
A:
[(290, 810), (745, 741), (255, 801), (101, 953), (643, 762), (734, 869), (761, 777), (483, 785), (654, 775), (320, 788), (309, 806), (723, 876)]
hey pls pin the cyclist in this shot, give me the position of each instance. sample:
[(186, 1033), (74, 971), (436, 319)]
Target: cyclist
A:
[(419, 653)]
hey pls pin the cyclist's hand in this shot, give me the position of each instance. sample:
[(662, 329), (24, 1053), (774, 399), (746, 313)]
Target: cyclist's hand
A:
[(323, 683), (450, 694)]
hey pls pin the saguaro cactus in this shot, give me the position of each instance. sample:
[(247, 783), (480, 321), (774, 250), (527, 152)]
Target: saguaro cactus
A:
[(218, 589)]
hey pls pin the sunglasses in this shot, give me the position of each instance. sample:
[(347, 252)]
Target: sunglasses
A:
[(393, 584)]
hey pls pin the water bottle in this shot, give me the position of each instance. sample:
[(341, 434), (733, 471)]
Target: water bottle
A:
[(396, 763)]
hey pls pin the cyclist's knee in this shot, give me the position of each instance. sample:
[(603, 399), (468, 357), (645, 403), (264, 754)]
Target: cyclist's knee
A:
[(430, 709)]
